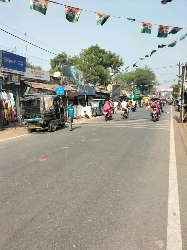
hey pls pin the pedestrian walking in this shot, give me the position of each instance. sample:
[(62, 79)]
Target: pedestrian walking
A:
[(70, 114), (1, 114)]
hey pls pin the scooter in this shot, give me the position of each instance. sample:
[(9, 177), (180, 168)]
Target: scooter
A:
[(125, 114), (155, 114), (108, 116), (133, 108)]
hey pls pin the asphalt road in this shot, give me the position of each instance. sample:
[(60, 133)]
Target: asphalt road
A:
[(103, 186)]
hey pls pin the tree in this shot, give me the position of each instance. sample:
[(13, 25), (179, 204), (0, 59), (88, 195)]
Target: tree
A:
[(31, 66), (97, 63), (57, 62), (143, 79)]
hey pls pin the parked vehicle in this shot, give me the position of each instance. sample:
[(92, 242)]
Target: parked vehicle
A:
[(97, 106), (42, 111)]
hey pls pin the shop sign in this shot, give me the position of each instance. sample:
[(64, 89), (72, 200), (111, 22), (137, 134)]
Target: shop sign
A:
[(15, 79), (60, 90), (84, 90), (37, 75), (12, 63)]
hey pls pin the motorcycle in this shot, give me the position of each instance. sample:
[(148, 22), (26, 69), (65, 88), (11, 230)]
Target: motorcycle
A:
[(108, 116), (155, 114), (125, 114), (133, 108)]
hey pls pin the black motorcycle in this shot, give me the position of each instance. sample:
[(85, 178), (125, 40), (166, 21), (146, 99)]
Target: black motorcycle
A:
[(125, 114), (133, 108), (108, 117)]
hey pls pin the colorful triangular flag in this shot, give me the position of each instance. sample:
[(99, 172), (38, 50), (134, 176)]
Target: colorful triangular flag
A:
[(142, 58), (39, 5), (166, 1), (72, 14), (134, 65), (146, 56), (130, 19), (152, 52), (146, 27), (173, 43), (183, 37), (161, 46), (174, 30), (127, 67), (101, 18), (163, 31)]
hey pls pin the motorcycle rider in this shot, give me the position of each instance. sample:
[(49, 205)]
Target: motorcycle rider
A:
[(155, 104), (124, 106), (107, 107)]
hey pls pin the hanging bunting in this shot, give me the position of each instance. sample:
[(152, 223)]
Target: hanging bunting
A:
[(127, 67), (5, 1), (39, 5), (146, 27), (183, 37), (101, 18), (152, 52), (174, 30), (134, 65), (72, 14), (166, 1), (146, 56), (129, 19), (161, 46), (142, 58), (173, 43), (163, 31)]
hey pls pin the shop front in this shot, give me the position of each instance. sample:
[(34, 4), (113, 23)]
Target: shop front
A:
[(83, 100), (12, 68)]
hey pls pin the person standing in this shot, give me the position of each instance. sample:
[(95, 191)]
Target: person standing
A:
[(1, 114), (70, 114)]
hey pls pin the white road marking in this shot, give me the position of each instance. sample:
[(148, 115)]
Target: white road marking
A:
[(174, 238), (13, 137)]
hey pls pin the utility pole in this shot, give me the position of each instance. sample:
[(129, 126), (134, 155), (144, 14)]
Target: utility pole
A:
[(179, 86), (26, 47)]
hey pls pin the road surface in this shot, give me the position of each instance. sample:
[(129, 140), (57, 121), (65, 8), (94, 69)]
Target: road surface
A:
[(119, 184)]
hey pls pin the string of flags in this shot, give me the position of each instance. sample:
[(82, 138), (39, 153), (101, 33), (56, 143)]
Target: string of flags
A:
[(172, 44), (72, 15), (166, 1)]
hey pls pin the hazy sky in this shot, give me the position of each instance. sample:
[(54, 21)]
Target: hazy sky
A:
[(120, 36)]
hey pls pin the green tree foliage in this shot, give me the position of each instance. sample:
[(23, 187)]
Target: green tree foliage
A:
[(143, 79), (31, 66), (96, 62), (57, 62)]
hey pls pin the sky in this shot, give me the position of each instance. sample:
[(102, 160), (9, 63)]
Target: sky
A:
[(54, 33)]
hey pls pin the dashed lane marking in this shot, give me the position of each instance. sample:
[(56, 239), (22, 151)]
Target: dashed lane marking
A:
[(13, 137)]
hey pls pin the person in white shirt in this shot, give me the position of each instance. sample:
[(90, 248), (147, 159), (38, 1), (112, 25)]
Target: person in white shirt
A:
[(124, 106), (115, 106)]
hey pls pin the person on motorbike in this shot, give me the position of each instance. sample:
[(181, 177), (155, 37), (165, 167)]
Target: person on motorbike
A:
[(155, 104), (124, 106), (107, 107)]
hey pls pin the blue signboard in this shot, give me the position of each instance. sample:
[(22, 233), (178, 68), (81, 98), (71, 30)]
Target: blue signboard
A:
[(60, 90), (84, 90), (138, 91), (12, 63)]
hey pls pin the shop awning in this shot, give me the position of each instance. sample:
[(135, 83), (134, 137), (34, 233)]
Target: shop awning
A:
[(48, 86)]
